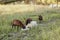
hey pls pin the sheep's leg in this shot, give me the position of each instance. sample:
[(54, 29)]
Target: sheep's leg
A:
[(12, 26), (17, 28)]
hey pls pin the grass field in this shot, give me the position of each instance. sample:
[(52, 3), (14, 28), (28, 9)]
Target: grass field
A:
[(49, 29)]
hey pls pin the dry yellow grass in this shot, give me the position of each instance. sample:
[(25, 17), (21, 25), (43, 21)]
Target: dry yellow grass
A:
[(15, 8), (9, 9)]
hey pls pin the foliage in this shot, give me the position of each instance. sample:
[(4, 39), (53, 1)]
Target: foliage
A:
[(28, 1), (8, 1)]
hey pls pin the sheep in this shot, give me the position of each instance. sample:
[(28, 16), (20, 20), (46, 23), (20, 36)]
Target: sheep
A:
[(40, 18), (28, 20), (31, 24), (18, 23)]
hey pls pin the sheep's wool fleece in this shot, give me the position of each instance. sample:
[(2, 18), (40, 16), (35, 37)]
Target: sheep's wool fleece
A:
[(34, 23), (29, 25)]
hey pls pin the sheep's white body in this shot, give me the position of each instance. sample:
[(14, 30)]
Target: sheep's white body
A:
[(32, 24), (29, 25)]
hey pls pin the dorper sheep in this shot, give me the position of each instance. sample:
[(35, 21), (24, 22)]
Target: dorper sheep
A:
[(31, 24)]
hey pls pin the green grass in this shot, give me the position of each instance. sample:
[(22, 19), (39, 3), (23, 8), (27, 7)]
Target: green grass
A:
[(49, 29)]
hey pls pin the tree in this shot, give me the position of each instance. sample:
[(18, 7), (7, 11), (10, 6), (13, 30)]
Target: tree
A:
[(57, 3), (45, 1), (39, 1), (27, 1), (8, 1), (58, 0)]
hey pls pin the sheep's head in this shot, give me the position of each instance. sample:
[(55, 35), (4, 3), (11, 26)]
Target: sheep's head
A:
[(28, 20), (40, 18), (25, 29)]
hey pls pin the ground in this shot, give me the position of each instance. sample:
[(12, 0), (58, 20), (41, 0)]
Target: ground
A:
[(48, 29)]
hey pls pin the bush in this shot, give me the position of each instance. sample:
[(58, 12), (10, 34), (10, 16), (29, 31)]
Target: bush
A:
[(8, 1)]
